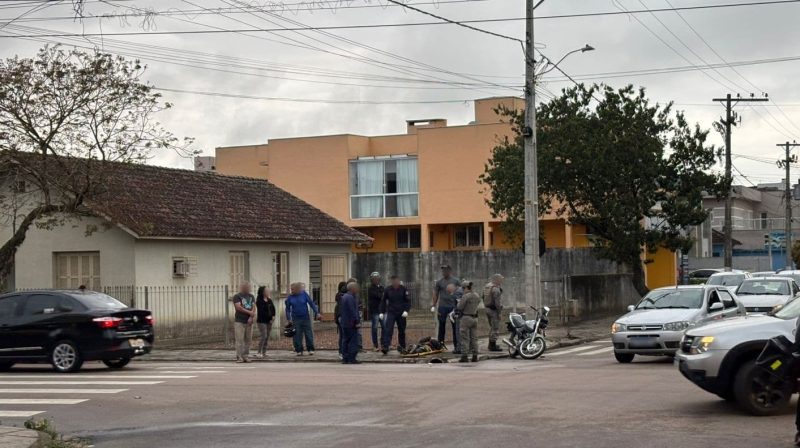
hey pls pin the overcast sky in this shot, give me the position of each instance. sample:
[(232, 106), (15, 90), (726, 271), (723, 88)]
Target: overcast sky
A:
[(423, 64)]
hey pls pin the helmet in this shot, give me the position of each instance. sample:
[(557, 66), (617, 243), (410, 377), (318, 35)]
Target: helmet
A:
[(289, 331)]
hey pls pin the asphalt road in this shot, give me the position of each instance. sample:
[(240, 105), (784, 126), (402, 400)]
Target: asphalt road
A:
[(582, 398)]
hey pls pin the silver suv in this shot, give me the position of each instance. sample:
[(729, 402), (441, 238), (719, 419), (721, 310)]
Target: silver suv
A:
[(720, 358), (655, 326)]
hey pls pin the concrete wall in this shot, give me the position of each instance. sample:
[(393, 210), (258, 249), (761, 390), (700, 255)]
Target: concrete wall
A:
[(34, 262), (597, 286)]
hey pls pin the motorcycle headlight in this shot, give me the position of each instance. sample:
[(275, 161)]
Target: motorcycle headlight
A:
[(677, 326), (617, 327), (701, 345)]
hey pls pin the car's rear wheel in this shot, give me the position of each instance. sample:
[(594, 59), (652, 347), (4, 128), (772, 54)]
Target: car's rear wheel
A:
[(624, 358), (65, 357), (758, 392), (116, 363), (5, 366)]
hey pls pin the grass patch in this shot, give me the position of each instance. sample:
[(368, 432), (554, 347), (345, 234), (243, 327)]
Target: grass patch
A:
[(51, 438)]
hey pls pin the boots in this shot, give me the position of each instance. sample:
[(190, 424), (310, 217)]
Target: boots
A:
[(474, 358), (494, 348), (464, 358)]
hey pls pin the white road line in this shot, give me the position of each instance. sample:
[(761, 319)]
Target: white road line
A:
[(101, 377), (572, 350), (193, 372), (201, 367), (41, 401), (604, 341), (19, 414), (597, 352), (79, 383), (62, 391)]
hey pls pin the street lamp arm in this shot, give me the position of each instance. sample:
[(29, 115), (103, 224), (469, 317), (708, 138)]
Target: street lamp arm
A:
[(553, 66)]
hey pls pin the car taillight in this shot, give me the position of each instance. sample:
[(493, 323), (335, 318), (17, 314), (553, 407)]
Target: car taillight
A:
[(149, 319), (108, 322)]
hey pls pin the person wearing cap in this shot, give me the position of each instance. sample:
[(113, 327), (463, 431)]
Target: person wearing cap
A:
[(374, 296), (492, 300), (467, 312), (394, 307), (444, 302)]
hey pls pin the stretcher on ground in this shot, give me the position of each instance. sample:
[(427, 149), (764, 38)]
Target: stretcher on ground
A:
[(424, 348)]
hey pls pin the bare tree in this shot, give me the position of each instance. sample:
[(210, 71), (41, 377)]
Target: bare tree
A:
[(67, 119)]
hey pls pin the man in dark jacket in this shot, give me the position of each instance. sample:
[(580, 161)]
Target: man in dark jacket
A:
[(350, 320), (394, 307), (374, 296)]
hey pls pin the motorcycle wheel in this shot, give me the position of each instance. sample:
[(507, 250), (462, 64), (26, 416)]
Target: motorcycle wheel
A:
[(532, 349)]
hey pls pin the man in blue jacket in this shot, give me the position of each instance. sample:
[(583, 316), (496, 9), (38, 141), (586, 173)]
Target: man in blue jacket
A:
[(394, 307), (350, 319), (297, 313)]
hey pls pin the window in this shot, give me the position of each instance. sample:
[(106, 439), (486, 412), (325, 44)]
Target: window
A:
[(384, 188), (239, 268), (180, 267), (280, 273), (8, 308), (74, 269), (763, 220), (41, 304), (409, 238), (469, 235)]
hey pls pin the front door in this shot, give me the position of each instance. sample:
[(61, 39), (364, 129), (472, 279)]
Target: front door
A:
[(334, 271), (39, 319), (8, 316)]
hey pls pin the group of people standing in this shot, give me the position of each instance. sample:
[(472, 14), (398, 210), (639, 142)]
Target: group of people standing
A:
[(454, 302)]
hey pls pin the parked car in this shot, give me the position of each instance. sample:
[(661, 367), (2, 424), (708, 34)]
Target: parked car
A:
[(700, 276), (730, 280), (761, 295), (762, 274), (795, 274), (656, 324), (66, 328), (719, 357)]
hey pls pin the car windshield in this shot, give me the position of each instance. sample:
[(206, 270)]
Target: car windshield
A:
[(99, 301), (789, 311), (676, 298), (764, 287), (726, 280)]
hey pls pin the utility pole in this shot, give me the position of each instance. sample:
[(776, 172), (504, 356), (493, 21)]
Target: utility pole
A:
[(532, 271), (786, 163), (730, 120)]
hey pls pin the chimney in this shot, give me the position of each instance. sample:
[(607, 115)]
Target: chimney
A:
[(413, 125)]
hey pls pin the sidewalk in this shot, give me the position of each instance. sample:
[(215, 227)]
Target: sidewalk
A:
[(559, 336), (18, 437)]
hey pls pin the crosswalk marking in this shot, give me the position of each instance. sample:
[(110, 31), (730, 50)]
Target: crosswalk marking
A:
[(193, 372), (19, 414), (79, 383), (62, 391), (42, 400), (572, 350), (110, 377), (200, 367), (597, 352)]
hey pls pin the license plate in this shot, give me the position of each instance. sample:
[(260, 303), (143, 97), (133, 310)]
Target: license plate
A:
[(642, 343), (136, 343)]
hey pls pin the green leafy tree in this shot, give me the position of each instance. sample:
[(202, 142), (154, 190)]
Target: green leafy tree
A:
[(64, 117), (633, 173)]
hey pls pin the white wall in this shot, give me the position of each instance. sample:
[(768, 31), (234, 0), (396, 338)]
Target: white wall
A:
[(34, 262)]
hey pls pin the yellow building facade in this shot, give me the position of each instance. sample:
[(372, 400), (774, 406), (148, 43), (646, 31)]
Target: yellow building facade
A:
[(417, 191)]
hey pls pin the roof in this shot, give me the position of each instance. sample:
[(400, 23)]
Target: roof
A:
[(156, 202), (718, 237)]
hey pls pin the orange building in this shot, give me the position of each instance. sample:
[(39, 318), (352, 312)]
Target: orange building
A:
[(416, 191)]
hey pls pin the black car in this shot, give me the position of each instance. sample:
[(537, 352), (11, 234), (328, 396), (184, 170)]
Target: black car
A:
[(66, 328)]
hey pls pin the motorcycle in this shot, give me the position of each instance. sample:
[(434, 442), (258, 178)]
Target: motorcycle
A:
[(527, 336)]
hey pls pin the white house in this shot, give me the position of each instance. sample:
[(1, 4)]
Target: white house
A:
[(158, 227)]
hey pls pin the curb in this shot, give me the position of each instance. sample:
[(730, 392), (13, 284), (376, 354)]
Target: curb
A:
[(11, 437)]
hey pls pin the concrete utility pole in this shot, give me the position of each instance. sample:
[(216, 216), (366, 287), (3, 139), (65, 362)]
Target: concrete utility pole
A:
[(532, 271), (786, 163), (728, 122)]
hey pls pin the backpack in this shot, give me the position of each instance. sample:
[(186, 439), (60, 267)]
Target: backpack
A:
[(487, 296)]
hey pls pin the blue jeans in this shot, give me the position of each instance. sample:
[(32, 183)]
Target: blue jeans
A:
[(376, 322), (303, 329), (443, 321), (349, 344), (388, 330)]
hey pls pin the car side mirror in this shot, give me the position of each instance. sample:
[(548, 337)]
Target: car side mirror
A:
[(716, 306), (631, 308)]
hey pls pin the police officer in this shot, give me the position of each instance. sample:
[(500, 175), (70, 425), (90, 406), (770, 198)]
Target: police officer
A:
[(467, 310), (444, 302), (394, 307), (492, 300)]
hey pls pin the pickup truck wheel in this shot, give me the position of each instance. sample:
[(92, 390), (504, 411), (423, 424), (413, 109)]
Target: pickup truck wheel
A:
[(624, 358), (759, 393)]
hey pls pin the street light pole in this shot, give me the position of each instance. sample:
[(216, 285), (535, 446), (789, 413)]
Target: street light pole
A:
[(532, 272)]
